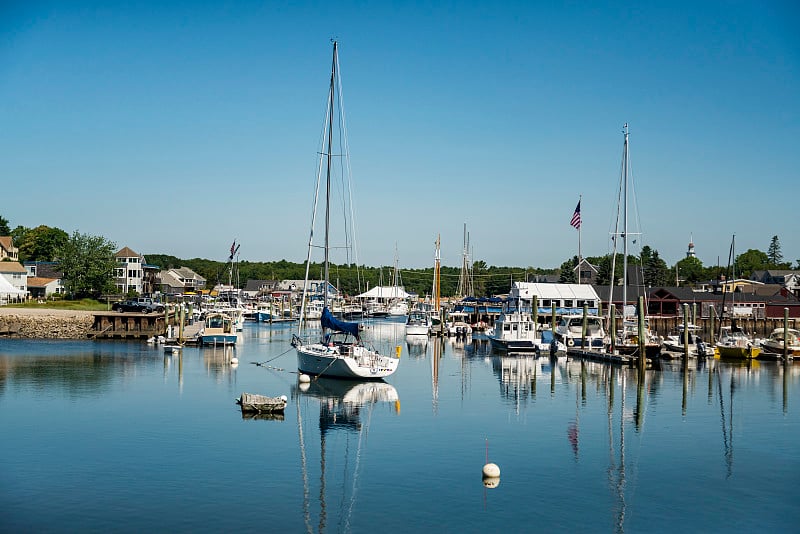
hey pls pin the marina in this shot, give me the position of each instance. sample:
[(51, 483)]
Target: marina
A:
[(626, 448)]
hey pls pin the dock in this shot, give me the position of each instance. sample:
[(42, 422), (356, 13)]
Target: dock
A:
[(600, 356)]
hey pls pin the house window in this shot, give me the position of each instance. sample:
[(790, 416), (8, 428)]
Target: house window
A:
[(567, 303)]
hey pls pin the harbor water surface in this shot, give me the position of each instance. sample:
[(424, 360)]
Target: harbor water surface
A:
[(121, 437)]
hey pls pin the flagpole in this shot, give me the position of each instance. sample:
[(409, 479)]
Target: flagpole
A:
[(580, 258)]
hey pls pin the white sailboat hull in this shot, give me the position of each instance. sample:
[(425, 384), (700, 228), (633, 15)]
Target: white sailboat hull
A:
[(358, 362)]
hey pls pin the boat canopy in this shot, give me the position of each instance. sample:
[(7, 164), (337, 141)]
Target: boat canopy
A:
[(331, 322), (385, 292)]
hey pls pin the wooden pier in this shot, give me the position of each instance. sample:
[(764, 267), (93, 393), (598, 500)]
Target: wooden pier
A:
[(600, 356), (119, 325)]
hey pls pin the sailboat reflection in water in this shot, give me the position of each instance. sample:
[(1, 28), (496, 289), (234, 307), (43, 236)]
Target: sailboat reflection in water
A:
[(345, 412)]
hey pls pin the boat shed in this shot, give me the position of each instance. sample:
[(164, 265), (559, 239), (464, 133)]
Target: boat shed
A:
[(567, 298)]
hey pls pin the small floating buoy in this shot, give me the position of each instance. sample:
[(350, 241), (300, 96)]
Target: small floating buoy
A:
[(234, 361), (491, 470), (304, 379), (304, 386)]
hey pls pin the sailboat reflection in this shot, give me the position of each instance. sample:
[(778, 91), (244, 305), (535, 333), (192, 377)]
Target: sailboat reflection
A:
[(345, 411)]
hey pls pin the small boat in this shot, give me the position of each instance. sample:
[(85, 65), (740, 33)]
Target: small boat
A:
[(218, 330), (173, 348), (418, 323), (735, 344), (697, 347), (780, 338), (514, 330), (253, 403), (457, 324), (569, 331), (628, 340)]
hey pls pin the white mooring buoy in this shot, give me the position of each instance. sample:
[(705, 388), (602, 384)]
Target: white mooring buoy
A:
[(491, 470), (304, 379)]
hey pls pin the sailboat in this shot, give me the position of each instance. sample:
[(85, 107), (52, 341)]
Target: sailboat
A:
[(340, 351), (733, 342), (627, 341)]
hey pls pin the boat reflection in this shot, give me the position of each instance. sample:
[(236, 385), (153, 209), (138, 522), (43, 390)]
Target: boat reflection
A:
[(345, 413)]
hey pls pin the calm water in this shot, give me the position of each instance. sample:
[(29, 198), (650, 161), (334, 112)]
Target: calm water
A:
[(116, 436)]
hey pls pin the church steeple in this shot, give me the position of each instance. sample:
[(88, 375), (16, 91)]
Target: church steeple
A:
[(690, 251)]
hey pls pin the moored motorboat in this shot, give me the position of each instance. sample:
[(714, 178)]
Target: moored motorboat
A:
[(735, 344), (783, 338), (418, 323), (219, 329), (514, 330), (570, 331)]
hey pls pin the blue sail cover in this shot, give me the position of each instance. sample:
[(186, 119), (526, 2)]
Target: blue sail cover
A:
[(329, 321)]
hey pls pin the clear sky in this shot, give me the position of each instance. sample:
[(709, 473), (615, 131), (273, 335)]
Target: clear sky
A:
[(175, 127)]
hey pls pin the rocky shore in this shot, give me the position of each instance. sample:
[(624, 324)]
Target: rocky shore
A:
[(35, 323)]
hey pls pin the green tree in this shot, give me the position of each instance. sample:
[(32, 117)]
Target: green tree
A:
[(752, 260), (5, 229), (774, 252), (88, 265), (567, 275), (691, 270), (41, 243), (656, 272), (18, 234)]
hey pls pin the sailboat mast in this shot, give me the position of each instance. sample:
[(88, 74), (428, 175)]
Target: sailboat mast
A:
[(725, 285), (328, 175), (436, 276), (625, 162)]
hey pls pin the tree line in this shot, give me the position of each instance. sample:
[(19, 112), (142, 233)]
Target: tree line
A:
[(88, 264)]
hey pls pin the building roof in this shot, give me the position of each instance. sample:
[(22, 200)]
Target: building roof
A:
[(126, 252), (38, 281), (185, 272), (385, 292), (527, 290), (7, 242), (258, 285), (12, 267)]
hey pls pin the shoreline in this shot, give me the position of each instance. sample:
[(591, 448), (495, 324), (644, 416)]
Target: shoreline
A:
[(45, 323)]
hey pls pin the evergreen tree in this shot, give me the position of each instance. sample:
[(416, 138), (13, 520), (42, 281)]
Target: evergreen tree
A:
[(568, 271), (774, 252), (5, 229), (656, 272)]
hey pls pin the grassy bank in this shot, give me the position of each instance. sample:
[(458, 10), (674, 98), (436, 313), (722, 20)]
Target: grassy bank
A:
[(75, 305)]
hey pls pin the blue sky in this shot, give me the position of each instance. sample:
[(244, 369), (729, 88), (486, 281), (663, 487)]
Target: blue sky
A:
[(494, 114)]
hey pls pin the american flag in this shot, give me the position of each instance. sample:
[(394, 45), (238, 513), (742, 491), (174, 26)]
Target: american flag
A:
[(576, 217)]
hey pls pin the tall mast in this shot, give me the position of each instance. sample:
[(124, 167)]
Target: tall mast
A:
[(328, 175), (436, 277), (625, 169)]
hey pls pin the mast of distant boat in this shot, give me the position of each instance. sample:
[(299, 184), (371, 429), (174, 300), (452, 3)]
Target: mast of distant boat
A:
[(625, 161)]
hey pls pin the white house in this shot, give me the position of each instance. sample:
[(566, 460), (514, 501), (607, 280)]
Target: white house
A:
[(13, 281), (129, 274)]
